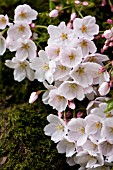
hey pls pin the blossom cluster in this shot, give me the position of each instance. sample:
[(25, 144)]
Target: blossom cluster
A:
[(71, 70)]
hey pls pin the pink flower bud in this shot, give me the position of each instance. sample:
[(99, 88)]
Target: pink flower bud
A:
[(104, 88), (79, 114), (71, 105), (105, 47), (103, 36), (85, 3), (53, 13), (32, 25), (109, 21), (73, 16), (111, 44), (33, 97), (70, 25), (107, 34)]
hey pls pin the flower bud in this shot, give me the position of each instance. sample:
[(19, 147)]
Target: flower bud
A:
[(53, 13), (85, 3), (73, 16), (109, 21), (107, 34), (33, 97), (104, 88)]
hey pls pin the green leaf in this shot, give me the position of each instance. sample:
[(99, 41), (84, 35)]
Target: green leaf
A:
[(110, 105)]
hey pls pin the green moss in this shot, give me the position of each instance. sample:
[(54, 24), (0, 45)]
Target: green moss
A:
[(24, 142)]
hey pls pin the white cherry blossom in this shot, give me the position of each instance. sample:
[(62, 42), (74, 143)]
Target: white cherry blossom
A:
[(71, 57), (82, 75), (86, 45), (66, 146), (21, 69), (57, 101), (19, 30), (25, 13), (60, 34), (105, 147), (56, 128), (93, 126), (77, 131), (89, 160), (86, 27), (4, 21), (107, 129), (26, 49), (71, 90), (43, 66)]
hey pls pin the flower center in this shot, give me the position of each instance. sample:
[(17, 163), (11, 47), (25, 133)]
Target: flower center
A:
[(83, 43), (2, 20), (60, 127), (46, 67), (57, 51), (25, 46), (98, 125), (73, 86), (21, 28), (80, 70), (62, 68), (83, 29), (82, 130), (64, 36), (23, 15), (22, 65), (71, 56)]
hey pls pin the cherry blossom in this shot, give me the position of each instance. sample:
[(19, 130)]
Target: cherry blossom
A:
[(25, 13), (56, 128), (21, 69)]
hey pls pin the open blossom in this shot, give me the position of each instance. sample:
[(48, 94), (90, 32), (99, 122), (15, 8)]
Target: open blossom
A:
[(93, 126), (25, 13), (43, 66), (71, 90), (61, 71), (77, 131), (60, 34), (100, 110), (89, 160), (86, 45), (4, 21), (53, 51), (56, 128), (26, 49), (84, 73), (21, 69), (66, 146), (57, 101), (107, 129), (19, 30), (71, 57), (86, 27), (96, 58), (105, 147)]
